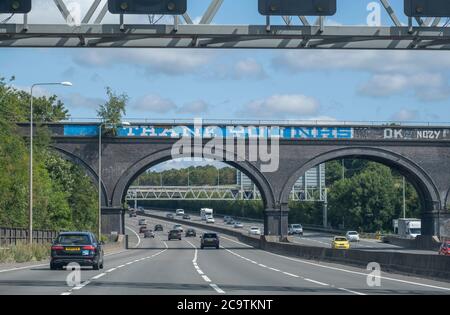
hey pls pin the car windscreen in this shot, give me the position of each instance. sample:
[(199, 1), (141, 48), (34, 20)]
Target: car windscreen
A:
[(352, 233), (296, 226), (73, 239), (340, 239), (210, 235)]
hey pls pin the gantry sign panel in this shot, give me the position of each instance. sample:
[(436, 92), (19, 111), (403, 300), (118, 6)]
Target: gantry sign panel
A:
[(284, 24)]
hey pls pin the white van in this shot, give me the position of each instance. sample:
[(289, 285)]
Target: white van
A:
[(179, 212)]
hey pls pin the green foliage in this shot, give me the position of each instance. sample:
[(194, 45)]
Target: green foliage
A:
[(24, 252), (195, 175), (63, 195), (369, 199), (111, 112)]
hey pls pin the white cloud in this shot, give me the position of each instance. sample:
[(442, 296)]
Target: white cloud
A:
[(196, 107), (292, 106), (362, 60), (425, 86), (405, 115), (392, 72), (248, 68), (154, 104), (155, 61), (77, 100)]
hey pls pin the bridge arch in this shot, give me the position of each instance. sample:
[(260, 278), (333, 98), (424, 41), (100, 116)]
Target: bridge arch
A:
[(422, 182), (164, 155), (85, 166)]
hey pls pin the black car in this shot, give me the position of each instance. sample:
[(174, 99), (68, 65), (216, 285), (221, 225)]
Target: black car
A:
[(174, 234), (186, 217), (149, 234), (209, 240), (190, 232), (76, 247), (158, 227), (169, 216), (133, 214)]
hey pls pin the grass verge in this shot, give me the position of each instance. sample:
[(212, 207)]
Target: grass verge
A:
[(24, 253)]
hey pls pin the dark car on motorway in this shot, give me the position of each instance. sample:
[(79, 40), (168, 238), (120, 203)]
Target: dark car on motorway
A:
[(82, 248), (170, 216), (209, 240), (174, 235), (142, 228), (158, 227), (149, 234), (133, 214), (190, 233), (186, 217), (445, 249)]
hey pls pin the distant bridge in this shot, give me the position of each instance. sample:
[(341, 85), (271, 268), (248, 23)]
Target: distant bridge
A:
[(228, 192)]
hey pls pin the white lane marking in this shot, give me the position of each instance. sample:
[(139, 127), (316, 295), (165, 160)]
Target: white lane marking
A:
[(316, 282), (351, 291), (111, 270), (120, 266), (215, 287), (346, 270), (291, 274), (206, 278), (66, 293), (98, 276), (277, 270), (361, 273), (139, 238), (22, 268)]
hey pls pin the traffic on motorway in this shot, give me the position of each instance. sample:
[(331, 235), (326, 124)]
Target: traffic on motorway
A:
[(201, 262)]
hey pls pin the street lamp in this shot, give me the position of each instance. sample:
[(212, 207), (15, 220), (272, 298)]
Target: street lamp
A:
[(124, 123), (30, 219)]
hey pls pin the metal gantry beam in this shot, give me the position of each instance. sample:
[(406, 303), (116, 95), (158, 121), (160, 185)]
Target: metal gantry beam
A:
[(427, 34), (190, 193), (230, 193)]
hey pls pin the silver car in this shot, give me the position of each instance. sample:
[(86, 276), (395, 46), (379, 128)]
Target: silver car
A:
[(352, 236), (238, 225)]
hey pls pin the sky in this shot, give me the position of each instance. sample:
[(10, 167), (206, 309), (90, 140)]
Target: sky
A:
[(241, 84)]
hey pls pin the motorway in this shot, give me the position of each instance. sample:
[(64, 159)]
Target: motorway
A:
[(158, 266), (313, 238)]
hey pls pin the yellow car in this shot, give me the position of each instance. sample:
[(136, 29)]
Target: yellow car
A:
[(340, 242)]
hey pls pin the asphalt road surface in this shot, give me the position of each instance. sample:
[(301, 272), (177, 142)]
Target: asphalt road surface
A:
[(318, 239), (159, 266)]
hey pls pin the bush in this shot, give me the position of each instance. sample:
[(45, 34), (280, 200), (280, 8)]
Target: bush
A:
[(24, 252), (5, 255)]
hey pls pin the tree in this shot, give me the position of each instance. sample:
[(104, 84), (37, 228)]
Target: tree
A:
[(64, 197), (112, 110)]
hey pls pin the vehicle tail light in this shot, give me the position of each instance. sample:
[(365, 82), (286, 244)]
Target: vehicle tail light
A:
[(57, 247), (89, 247)]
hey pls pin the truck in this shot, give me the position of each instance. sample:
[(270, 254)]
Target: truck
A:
[(206, 212), (408, 228)]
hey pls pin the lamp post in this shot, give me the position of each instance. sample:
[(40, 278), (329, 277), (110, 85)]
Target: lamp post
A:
[(30, 213), (100, 171)]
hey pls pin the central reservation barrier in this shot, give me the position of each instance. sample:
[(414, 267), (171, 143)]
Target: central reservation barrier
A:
[(425, 265)]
